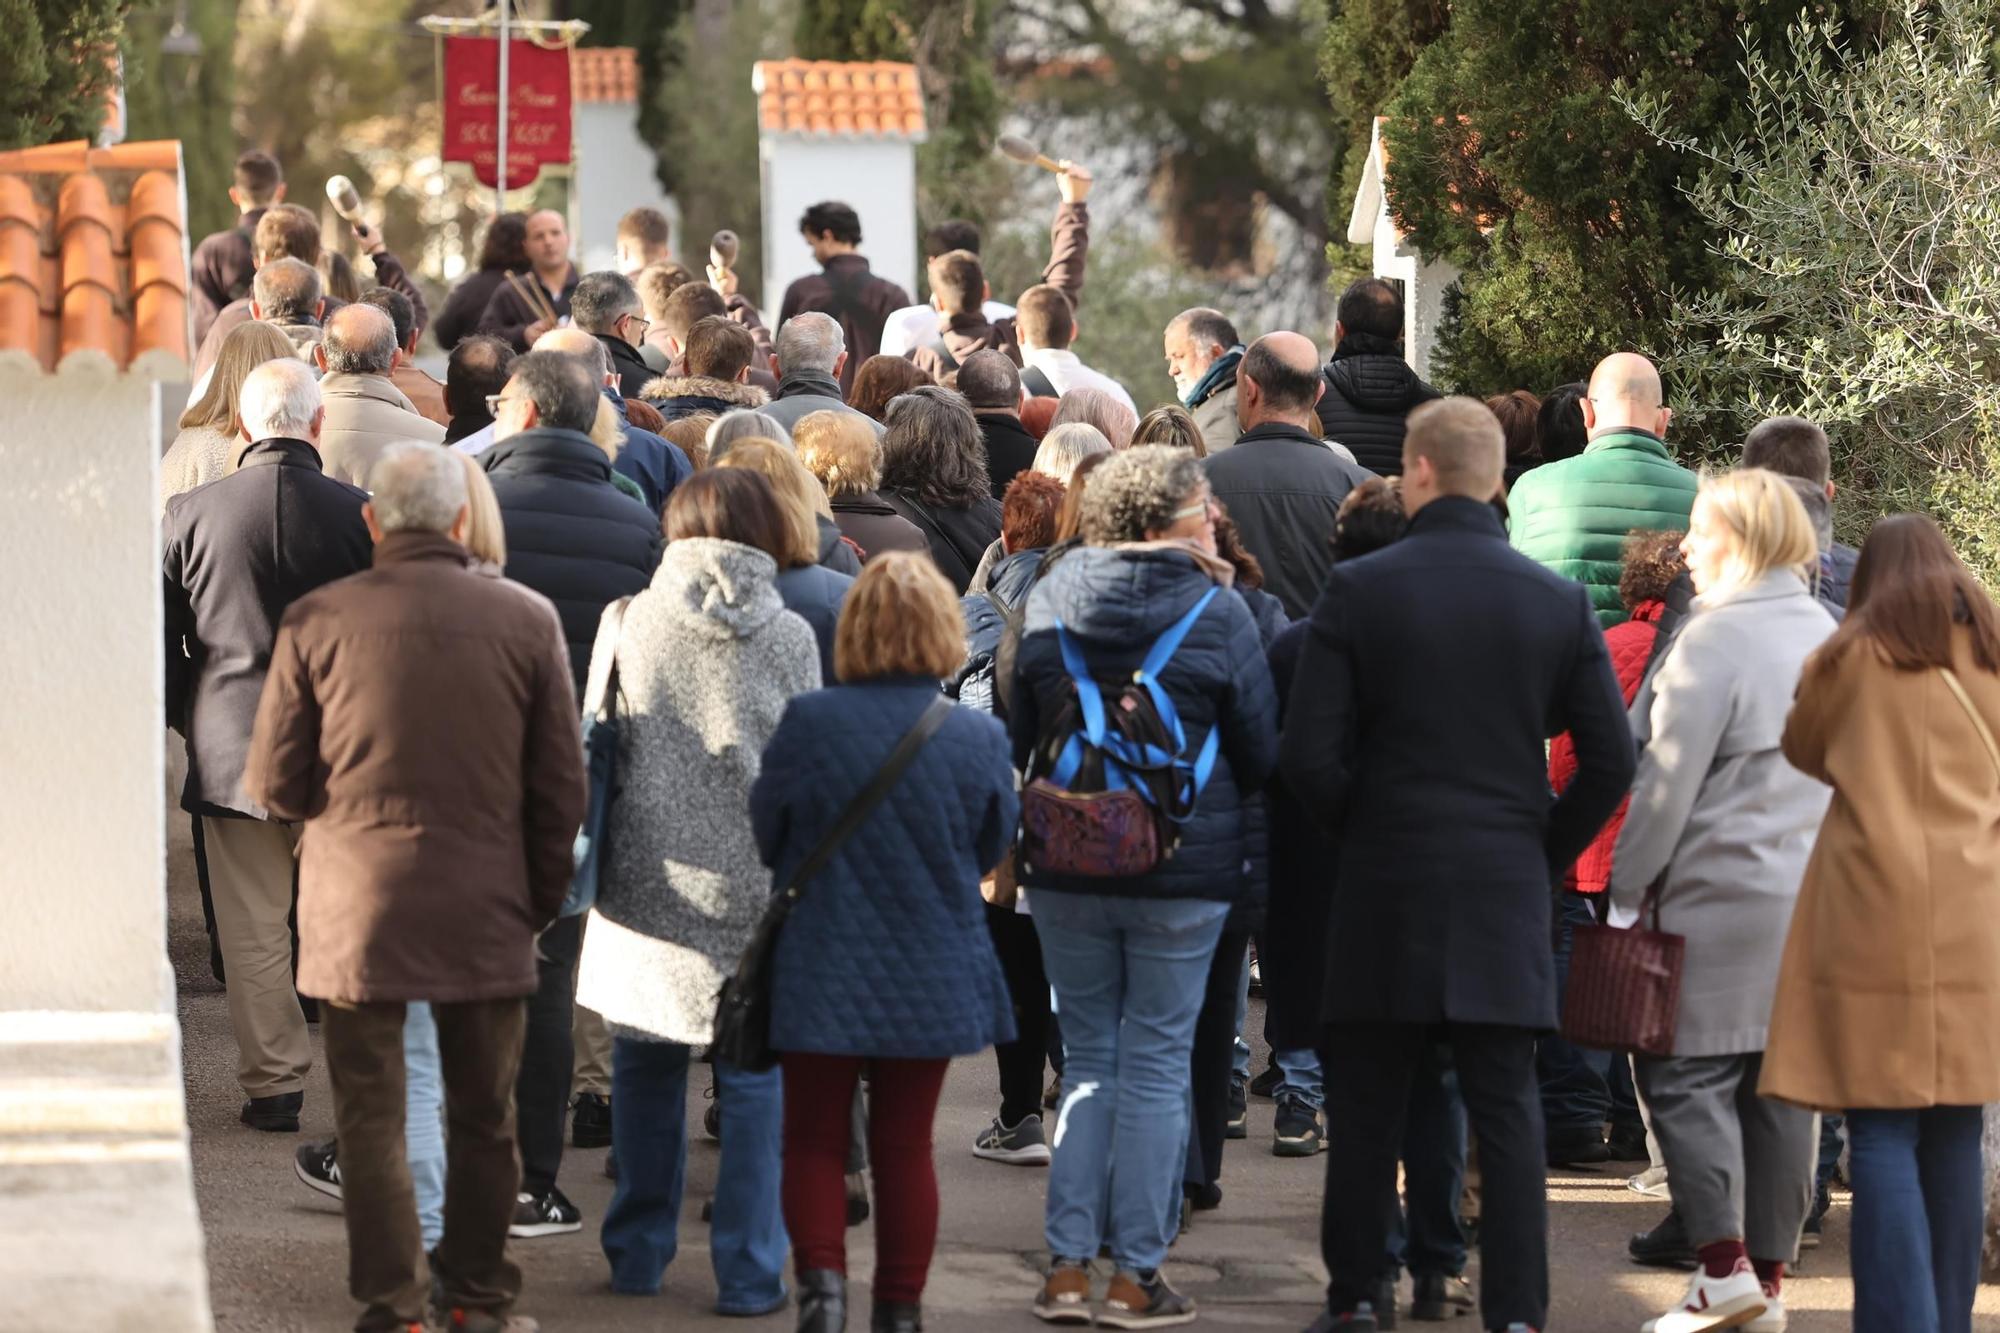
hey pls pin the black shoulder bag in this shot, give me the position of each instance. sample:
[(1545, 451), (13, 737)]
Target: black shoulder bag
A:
[(743, 1011)]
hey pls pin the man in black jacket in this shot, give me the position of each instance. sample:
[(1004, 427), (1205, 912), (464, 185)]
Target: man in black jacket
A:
[(607, 306), (991, 382), (1432, 675), (237, 552), (1280, 482), (224, 263), (1370, 389), (576, 539)]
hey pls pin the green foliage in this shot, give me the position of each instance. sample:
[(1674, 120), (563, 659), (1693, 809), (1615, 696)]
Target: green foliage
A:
[(189, 97), (1855, 260), (56, 83), (1368, 46)]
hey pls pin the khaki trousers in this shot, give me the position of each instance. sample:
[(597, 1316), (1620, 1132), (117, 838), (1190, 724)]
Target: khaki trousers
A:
[(250, 869), (479, 1054), (593, 1046)]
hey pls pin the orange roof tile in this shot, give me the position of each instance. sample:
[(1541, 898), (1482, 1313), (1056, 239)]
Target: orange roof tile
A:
[(94, 256), (830, 97), (604, 74)]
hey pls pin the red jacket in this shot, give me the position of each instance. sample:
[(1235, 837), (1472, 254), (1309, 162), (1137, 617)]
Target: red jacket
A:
[(1631, 646)]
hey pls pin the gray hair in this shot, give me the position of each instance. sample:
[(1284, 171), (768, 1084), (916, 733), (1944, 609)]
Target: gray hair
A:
[(417, 488), (279, 399), (934, 449), (1100, 409), (359, 340), (1818, 509), (600, 299), (811, 341), (563, 389), (1066, 446), (1137, 490), (286, 291), (743, 424), (1206, 325)]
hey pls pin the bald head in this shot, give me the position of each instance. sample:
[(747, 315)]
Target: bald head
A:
[(1453, 446), (360, 340), (575, 342), (1624, 394), (1279, 381)]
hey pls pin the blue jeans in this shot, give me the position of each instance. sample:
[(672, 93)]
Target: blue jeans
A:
[(747, 1240), (1576, 1091), (1425, 1235), (1129, 975), (1919, 1210), (1298, 1071), (423, 1119)]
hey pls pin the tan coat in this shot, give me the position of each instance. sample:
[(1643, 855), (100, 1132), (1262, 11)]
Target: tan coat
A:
[(1889, 991), (425, 394), (365, 414)]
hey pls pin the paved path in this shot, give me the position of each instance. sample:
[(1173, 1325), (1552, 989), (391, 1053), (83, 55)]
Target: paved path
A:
[(278, 1263)]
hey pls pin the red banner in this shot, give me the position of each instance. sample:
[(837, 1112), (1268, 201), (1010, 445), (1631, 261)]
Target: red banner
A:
[(538, 107)]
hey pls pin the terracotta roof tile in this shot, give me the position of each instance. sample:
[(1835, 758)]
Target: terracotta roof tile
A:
[(94, 256), (604, 74), (828, 97)]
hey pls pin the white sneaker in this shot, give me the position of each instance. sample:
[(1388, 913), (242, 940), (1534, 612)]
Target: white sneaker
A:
[(1773, 1319), (1652, 1182), (1715, 1302)]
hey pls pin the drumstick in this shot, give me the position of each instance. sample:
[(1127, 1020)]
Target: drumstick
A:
[(1014, 146), (531, 292)]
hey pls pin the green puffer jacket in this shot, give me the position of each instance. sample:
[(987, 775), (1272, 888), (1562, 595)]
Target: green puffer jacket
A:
[(1573, 515)]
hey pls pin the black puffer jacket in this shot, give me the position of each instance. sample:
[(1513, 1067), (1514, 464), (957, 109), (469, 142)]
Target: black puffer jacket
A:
[(572, 536), (1117, 603), (1368, 397)]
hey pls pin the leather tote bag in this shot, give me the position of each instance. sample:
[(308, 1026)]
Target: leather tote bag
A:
[(1625, 984)]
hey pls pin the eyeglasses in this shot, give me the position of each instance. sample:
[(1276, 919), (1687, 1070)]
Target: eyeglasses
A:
[(1206, 509), (493, 401), (644, 323)]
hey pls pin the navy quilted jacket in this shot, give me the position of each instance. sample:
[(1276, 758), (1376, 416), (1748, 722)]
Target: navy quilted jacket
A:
[(887, 953), (1117, 602)]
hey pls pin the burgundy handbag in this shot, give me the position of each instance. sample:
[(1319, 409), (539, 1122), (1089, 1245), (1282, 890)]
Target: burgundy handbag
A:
[(1625, 984)]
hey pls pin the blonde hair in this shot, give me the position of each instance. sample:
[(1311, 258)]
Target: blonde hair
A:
[(485, 533), (1767, 523), (841, 450), (900, 618), (798, 493), (607, 432), (246, 347), (691, 434), (1067, 445)]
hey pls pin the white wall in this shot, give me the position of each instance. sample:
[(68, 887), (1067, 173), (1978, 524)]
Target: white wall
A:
[(1424, 282), (877, 178), (615, 174)]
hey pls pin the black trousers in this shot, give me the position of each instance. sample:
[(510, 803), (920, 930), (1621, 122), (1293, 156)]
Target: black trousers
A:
[(1019, 949), (1211, 1062), (548, 1057), (1369, 1069)]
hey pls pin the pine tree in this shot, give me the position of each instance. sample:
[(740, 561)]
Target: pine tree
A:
[(59, 70)]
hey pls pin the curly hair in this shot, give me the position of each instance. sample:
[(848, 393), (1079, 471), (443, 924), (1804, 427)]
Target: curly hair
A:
[(1137, 490), (1229, 545), (1653, 561), (934, 449)]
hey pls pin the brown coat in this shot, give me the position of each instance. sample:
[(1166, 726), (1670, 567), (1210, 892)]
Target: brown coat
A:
[(420, 717), (1889, 992), (425, 394), (964, 334), (862, 304)]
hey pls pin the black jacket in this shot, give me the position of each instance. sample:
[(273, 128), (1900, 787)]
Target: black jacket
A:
[(633, 372), (1117, 603), (1431, 677), (958, 537), (1368, 397), (1010, 449), (1284, 487), (871, 523), (460, 317), (237, 552), (1291, 953), (571, 535), (508, 314)]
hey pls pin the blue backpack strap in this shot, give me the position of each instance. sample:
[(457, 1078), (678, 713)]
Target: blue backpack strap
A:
[(1090, 703), (1169, 643)]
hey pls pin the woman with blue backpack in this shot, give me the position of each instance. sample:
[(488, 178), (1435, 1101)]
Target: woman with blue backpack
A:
[(1143, 712)]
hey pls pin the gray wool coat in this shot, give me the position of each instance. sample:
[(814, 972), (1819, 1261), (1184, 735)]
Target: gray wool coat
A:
[(708, 657), (1717, 807)]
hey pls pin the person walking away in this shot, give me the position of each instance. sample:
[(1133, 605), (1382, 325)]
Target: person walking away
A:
[(992, 385), (1127, 954), (1046, 326), (1888, 995), (286, 295), (424, 679), (236, 553), (1573, 515), (1203, 353), (365, 413), (1279, 482), (707, 659), (880, 379), (1113, 416), (1171, 424), (1796, 447), (223, 265), (477, 370), (503, 249), (844, 289), (1462, 657), (716, 357), (607, 306), (208, 442), (808, 589), (813, 363), (885, 962), (1520, 415), (425, 394), (524, 306), (934, 475), (1717, 833), (846, 457), (648, 462), (1370, 388)]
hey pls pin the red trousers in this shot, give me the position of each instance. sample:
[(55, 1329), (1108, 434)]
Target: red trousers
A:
[(902, 1103)]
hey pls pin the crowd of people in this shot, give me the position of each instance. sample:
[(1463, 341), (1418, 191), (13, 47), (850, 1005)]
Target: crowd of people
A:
[(527, 695)]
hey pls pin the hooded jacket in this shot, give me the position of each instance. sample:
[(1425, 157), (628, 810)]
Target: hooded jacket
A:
[(677, 396), (1369, 396), (1116, 603)]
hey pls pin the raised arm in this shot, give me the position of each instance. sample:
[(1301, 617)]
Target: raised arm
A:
[(1069, 234)]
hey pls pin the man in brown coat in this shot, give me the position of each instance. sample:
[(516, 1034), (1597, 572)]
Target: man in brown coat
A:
[(845, 287), (420, 718)]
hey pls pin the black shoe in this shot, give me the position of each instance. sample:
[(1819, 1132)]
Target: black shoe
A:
[(822, 1301), (857, 1200), (590, 1121), (274, 1115), (1442, 1296), (1298, 1131), (1239, 1110), (1815, 1228), (895, 1317), (611, 1165), (309, 1007), (550, 1214), (1665, 1246), (318, 1165), (1582, 1146), (1383, 1310), (711, 1119), (1202, 1198), (1265, 1085), (1627, 1143)]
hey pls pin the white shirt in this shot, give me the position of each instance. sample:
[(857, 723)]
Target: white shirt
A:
[(1065, 372), (917, 326), (476, 443)]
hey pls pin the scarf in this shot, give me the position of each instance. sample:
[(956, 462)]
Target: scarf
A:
[(1224, 368), (1214, 566)]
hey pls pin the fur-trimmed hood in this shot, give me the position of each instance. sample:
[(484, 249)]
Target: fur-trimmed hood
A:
[(726, 393)]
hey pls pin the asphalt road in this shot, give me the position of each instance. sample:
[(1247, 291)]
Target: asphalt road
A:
[(277, 1257)]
